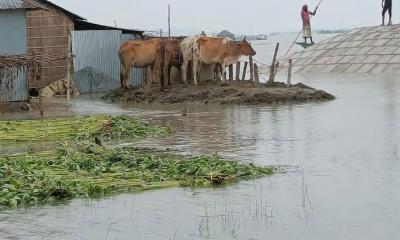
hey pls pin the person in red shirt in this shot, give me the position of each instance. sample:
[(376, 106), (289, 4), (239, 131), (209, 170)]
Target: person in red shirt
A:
[(306, 16)]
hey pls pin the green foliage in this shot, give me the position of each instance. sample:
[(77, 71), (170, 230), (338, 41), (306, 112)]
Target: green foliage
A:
[(78, 128), (87, 170)]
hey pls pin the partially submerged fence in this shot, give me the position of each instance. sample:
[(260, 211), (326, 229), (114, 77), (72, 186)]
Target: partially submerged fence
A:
[(253, 70)]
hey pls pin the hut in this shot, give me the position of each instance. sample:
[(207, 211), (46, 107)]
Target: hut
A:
[(42, 27), (14, 41), (226, 34)]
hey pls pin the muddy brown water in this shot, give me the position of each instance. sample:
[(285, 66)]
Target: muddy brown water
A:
[(343, 182)]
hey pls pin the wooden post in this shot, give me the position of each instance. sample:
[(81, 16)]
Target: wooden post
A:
[(238, 71), (69, 62), (275, 71), (251, 69), (38, 76), (272, 72), (244, 71), (231, 72), (289, 76), (169, 21), (256, 74)]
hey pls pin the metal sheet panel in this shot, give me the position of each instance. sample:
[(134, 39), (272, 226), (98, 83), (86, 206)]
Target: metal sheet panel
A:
[(13, 32), (11, 4), (136, 76), (96, 62), (13, 35), (96, 54)]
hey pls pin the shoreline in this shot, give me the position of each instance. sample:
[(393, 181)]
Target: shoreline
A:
[(242, 93)]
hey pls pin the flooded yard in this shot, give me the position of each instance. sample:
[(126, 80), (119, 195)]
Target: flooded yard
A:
[(342, 181)]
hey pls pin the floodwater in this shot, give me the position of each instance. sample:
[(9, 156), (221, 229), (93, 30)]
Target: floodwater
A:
[(342, 183)]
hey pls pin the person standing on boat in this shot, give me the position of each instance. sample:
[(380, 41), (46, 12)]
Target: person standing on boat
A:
[(306, 16), (387, 7)]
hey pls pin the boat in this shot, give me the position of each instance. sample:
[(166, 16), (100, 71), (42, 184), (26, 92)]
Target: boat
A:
[(261, 37), (305, 45)]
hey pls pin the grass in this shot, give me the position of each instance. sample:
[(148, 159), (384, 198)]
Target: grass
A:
[(87, 171), (81, 128)]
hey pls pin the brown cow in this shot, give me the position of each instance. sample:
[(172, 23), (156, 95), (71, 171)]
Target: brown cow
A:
[(222, 51), (139, 54), (168, 55)]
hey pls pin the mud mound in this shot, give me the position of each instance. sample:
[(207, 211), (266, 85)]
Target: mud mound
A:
[(232, 93)]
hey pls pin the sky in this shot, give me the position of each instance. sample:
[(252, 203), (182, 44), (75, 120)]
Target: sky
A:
[(240, 17)]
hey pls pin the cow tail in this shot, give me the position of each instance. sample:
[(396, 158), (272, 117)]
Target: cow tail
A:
[(162, 63)]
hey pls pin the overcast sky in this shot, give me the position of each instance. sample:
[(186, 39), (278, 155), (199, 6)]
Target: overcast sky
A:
[(241, 17)]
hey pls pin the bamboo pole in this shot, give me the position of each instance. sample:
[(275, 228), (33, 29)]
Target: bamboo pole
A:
[(256, 74), (68, 85), (231, 72), (289, 78), (238, 71), (37, 76), (244, 71), (251, 68), (272, 72), (275, 71), (169, 21)]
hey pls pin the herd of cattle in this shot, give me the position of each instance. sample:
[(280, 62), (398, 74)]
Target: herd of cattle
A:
[(160, 55)]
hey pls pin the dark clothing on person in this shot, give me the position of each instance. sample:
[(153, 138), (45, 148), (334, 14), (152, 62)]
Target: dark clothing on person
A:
[(388, 3), (387, 6)]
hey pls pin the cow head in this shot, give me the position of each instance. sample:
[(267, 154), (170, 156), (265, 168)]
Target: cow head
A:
[(246, 49)]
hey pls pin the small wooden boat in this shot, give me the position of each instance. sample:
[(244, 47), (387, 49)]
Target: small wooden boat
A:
[(261, 37), (304, 45)]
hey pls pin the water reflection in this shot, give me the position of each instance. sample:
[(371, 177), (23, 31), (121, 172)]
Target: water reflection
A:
[(345, 185)]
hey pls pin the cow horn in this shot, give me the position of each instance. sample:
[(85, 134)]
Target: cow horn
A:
[(244, 39)]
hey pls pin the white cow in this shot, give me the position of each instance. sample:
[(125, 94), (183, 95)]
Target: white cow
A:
[(187, 48)]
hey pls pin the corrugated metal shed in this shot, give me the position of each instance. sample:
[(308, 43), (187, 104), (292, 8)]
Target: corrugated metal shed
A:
[(96, 62), (21, 4), (13, 35), (14, 4)]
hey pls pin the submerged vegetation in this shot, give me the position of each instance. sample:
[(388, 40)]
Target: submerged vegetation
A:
[(79, 168), (87, 170), (81, 128)]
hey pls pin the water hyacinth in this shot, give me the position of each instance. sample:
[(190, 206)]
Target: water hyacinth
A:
[(87, 170), (78, 128)]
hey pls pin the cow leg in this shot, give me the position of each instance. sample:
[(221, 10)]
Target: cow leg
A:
[(164, 71), (151, 77), (162, 77), (223, 71), (219, 71), (196, 71), (169, 74), (124, 76), (184, 71)]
